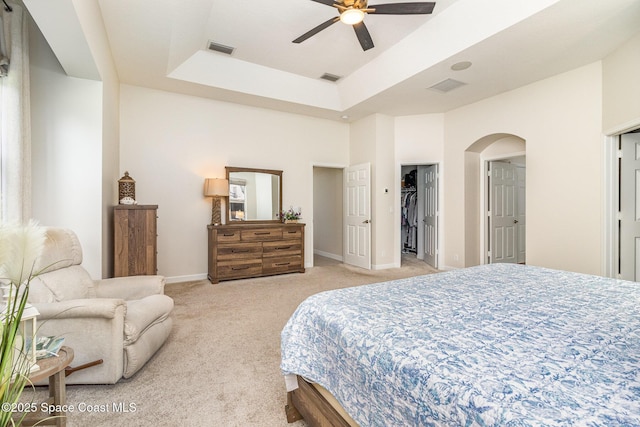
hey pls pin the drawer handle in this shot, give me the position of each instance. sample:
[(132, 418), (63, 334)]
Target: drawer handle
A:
[(237, 251), (292, 232), (228, 234), (261, 233), (239, 268), (280, 248), (282, 263)]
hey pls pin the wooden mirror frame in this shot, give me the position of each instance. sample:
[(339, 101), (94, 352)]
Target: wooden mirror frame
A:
[(232, 169)]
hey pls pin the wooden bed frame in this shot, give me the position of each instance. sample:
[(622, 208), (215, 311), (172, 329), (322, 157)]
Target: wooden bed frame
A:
[(307, 403)]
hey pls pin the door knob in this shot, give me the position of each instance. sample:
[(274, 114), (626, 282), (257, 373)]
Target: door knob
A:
[(515, 221), (366, 221)]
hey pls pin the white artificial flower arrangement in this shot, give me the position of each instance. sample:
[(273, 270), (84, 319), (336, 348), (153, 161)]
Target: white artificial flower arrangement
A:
[(20, 247)]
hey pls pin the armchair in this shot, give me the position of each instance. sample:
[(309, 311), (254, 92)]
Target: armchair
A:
[(122, 321)]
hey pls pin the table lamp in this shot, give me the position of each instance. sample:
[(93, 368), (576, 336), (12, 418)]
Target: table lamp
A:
[(216, 188)]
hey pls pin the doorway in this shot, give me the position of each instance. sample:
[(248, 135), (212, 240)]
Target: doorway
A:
[(622, 198), (628, 202), (506, 211), (342, 214), (328, 212), (419, 213), (493, 147)]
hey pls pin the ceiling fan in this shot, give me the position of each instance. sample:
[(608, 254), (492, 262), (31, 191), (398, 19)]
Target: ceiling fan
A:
[(352, 13)]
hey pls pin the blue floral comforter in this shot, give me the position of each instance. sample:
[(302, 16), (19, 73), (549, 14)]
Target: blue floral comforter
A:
[(494, 345)]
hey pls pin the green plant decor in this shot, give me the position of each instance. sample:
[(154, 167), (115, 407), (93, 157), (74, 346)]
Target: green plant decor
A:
[(20, 246)]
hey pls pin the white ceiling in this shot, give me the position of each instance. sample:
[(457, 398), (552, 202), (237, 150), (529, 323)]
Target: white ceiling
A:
[(162, 44)]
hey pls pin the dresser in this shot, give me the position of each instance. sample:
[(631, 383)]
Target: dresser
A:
[(135, 240), (251, 250)]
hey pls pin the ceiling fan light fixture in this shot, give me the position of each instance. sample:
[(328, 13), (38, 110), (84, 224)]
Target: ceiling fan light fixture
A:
[(352, 16)]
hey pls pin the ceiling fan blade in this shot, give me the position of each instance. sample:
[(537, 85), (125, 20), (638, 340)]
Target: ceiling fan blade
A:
[(420, 8), (327, 2), (316, 30), (363, 36)]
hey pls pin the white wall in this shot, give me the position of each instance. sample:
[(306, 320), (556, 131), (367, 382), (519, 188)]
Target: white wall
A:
[(419, 139), (90, 17), (560, 120), (385, 195), (75, 123), (66, 133), (170, 143), (372, 141), (621, 92)]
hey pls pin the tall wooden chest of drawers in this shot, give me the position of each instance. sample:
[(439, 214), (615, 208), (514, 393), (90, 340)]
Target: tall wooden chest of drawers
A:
[(135, 240), (250, 250)]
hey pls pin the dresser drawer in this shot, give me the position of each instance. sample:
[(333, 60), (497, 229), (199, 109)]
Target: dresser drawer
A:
[(282, 248), (239, 251), (281, 264), (261, 234), (292, 233), (239, 268), (228, 236)]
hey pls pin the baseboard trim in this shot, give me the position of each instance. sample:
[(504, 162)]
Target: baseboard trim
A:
[(383, 266), (180, 279), (328, 255), (196, 277)]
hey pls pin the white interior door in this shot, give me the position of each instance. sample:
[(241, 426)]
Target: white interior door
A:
[(431, 215), (630, 207), (521, 216), (502, 214), (357, 209)]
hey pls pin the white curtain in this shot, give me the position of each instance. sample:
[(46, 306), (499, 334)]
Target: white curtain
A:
[(15, 127)]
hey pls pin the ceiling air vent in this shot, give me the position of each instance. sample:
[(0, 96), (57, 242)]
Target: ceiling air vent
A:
[(220, 48), (330, 77), (447, 85)]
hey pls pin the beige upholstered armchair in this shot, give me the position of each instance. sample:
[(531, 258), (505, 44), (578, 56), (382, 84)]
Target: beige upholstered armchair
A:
[(122, 321)]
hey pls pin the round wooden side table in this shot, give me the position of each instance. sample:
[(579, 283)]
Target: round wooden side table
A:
[(54, 369)]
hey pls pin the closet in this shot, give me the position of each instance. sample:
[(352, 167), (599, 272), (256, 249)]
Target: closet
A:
[(409, 211), (419, 212)]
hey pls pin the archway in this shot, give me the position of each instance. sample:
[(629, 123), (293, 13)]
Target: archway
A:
[(493, 147)]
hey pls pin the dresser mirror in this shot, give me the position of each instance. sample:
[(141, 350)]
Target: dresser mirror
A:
[(255, 195)]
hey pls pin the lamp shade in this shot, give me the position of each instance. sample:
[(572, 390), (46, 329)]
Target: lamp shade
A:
[(216, 187)]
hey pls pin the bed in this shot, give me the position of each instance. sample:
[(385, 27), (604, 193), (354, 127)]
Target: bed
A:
[(493, 345)]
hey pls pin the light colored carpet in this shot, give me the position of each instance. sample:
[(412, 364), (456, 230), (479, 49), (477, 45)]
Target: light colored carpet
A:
[(220, 365)]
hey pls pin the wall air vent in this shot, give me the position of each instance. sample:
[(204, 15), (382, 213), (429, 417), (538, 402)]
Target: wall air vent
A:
[(447, 85), (330, 77), (217, 47)]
